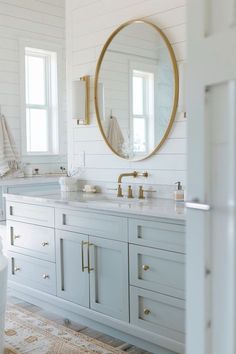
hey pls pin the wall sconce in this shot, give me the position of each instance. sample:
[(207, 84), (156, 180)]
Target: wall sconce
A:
[(80, 100)]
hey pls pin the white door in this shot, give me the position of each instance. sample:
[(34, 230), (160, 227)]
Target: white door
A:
[(109, 277), (211, 279)]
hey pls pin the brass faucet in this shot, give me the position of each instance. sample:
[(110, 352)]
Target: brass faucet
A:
[(128, 174)]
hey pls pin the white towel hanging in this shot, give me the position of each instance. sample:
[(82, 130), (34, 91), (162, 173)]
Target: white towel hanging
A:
[(114, 135), (8, 154)]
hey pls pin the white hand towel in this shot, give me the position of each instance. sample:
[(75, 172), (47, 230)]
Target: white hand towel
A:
[(114, 135), (8, 154)]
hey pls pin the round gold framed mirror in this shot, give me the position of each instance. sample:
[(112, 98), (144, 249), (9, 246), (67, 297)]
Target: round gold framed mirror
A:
[(136, 90)]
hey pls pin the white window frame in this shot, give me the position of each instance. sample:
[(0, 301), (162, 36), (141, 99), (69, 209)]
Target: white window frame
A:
[(53, 107), (149, 118)]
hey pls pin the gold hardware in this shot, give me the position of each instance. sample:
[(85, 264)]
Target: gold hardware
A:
[(16, 236), (130, 192), (119, 191), (16, 269), (141, 193), (146, 312), (175, 93), (45, 276), (145, 267), (89, 269), (143, 174), (45, 244), (129, 174), (83, 243)]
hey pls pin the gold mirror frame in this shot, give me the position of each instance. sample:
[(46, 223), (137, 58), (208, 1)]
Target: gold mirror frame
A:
[(176, 86)]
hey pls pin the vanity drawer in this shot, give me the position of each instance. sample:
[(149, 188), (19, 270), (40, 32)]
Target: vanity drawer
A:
[(32, 272), (165, 236), (160, 314), (107, 226), (31, 240), (157, 270), (29, 213)]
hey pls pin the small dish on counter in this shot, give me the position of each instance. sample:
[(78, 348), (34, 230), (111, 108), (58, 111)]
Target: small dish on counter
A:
[(89, 188)]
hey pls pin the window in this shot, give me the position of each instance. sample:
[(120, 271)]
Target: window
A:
[(41, 102), (142, 110)]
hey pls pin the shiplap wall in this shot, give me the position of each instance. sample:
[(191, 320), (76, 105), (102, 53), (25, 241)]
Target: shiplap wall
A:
[(31, 20), (88, 25)]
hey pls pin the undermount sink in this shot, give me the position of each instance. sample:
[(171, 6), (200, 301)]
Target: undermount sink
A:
[(116, 201)]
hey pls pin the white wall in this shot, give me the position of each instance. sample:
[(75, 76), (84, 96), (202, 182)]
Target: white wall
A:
[(88, 25), (32, 20)]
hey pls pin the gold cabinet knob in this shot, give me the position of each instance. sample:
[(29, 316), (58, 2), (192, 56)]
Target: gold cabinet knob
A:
[(45, 276), (16, 269), (146, 312), (16, 236), (45, 244), (145, 267)]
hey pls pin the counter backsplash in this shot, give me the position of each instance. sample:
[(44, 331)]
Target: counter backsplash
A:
[(156, 191)]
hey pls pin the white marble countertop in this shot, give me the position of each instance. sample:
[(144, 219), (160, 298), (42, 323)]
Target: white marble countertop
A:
[(161, 208), (29, 180)]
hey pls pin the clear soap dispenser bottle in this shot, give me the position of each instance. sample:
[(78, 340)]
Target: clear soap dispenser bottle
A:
[(179, 192)]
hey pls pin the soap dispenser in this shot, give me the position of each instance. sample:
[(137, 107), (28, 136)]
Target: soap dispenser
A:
[(179, 192)]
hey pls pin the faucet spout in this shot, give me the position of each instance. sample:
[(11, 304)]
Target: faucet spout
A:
[(129, 174)]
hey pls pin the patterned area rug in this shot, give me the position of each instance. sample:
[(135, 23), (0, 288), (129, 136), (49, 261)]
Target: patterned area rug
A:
[(27, 332)]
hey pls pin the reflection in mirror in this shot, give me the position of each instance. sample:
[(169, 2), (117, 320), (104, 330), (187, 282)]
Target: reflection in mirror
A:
[(136, 90)]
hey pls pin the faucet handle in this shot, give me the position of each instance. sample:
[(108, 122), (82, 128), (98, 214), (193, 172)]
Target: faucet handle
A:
[(141, 192), (130, 192), (119, 190)]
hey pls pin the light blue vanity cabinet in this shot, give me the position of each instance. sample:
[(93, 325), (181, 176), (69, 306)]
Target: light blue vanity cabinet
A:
[(122, 274), (92, 269), (71, 256), (109, 289), (31, 185)]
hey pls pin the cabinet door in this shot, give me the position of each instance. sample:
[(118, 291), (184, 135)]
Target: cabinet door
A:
[(109, 277), (71, 256)]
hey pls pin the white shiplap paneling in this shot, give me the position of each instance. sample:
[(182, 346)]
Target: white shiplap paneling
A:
[(35, 20), (89, 23)]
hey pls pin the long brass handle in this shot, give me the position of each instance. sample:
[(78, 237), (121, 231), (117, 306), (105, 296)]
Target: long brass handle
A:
[(89, 268), (83, 243), (62, 264)]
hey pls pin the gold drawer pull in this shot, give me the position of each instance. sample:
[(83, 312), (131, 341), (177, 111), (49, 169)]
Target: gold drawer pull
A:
[(45, 244), (145, 267), (16, 269), (16, 236), (45, 276), (146, 312)]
